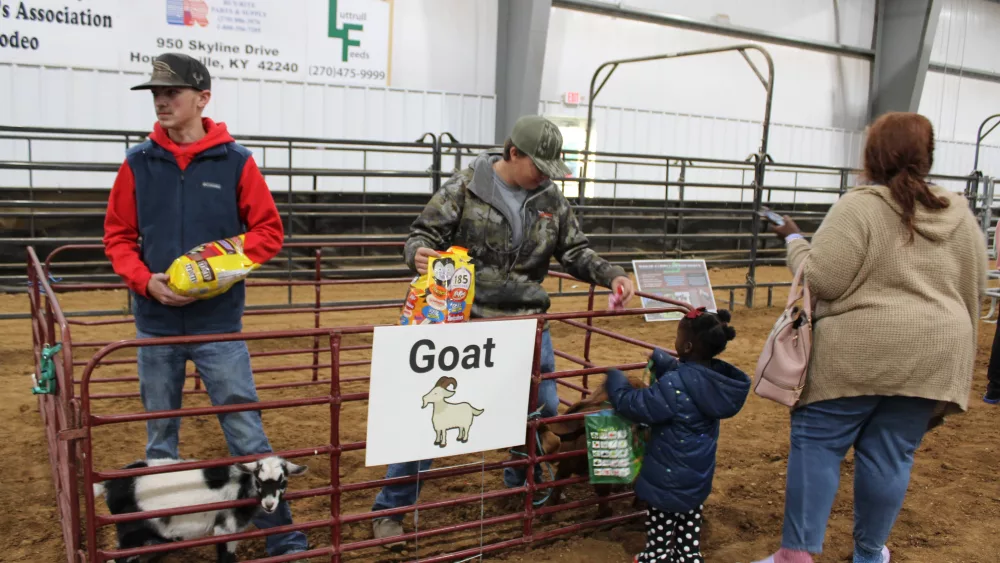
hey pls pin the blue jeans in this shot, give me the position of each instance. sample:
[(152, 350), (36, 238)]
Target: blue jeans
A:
[(885, 432), (395, 496), (224, 368)]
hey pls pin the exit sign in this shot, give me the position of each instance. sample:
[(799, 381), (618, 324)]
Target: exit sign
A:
[(571, 98)]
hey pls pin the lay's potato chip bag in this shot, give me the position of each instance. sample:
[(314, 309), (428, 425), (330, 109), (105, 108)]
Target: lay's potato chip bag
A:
[(445, 293), (210, 269)]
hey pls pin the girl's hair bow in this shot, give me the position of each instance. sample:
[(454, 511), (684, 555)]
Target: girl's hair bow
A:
[(695, 313)]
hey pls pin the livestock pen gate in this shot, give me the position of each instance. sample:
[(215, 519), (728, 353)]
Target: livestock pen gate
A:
[(71, 414)]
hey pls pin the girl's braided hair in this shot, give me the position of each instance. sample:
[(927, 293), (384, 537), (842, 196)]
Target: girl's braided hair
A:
[(709, 332)]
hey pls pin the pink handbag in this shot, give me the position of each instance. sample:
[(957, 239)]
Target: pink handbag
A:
[(784, 362)]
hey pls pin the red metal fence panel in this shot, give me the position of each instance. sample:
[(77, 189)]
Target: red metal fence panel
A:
[(70, 422)]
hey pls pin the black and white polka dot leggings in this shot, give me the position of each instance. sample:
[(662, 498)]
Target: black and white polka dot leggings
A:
[(674, 538)]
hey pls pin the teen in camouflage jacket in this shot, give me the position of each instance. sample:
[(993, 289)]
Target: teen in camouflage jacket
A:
[(508, 278)]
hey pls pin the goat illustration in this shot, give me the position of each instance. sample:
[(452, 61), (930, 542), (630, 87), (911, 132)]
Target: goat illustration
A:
[(447, 415)]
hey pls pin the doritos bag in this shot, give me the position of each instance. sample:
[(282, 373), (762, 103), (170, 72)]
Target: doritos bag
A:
[(445, 293), (210, 269)]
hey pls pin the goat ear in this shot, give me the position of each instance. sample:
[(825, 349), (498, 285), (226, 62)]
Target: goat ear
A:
[(247, 467), (295, 469), (550, 442)]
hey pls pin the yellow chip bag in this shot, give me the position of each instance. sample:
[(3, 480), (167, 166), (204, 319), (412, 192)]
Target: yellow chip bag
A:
[(445, 293), (210, 269)]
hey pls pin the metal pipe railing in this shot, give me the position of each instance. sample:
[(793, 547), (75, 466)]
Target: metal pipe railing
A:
[(334, 448), (737, 242), (79, 438)]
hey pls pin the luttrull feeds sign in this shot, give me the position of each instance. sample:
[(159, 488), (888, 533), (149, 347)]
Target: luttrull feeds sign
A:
[(448, 389)]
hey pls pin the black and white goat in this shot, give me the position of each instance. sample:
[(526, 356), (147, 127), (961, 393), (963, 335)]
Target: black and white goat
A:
[(265, 480)]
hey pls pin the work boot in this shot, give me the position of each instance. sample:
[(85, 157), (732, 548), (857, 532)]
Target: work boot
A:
[(388, 528)]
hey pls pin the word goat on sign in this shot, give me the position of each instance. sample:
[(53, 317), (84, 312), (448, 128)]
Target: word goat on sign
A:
[(448, 416)]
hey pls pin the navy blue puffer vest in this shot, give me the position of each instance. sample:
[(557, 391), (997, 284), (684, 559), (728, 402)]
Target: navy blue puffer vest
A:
[(178, 210)]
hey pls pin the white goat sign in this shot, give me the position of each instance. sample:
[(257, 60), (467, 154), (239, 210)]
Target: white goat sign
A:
[(448, 416), (469, 380)]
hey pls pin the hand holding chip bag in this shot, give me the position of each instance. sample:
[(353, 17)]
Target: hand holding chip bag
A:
[(445, 293), (210, 269)]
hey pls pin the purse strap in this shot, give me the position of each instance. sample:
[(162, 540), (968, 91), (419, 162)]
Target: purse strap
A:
[(796, 292)]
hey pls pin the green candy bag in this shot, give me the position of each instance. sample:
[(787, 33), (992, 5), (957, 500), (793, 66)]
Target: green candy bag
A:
[(614, 449), (615, 446)]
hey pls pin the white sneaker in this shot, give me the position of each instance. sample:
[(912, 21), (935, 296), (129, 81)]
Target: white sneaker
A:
[(885, 554)]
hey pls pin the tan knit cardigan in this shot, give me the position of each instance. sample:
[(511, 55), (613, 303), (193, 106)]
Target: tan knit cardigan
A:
[(893, 317)]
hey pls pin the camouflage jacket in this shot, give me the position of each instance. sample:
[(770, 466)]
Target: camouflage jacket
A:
[(508, 279)]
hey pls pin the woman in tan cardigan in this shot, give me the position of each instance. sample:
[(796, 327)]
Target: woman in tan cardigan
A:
[(898, 267)]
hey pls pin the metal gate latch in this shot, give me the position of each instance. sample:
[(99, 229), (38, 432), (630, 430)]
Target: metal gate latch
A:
[(46, 385)]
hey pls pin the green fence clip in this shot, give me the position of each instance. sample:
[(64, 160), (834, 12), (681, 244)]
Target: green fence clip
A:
[(46, 384)]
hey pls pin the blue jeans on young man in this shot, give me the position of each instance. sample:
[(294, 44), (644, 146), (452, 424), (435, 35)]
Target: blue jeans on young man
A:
[(225, 371), (885, 432), (395, 496)]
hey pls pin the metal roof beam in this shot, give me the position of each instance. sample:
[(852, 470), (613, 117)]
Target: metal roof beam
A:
[(635, 14)]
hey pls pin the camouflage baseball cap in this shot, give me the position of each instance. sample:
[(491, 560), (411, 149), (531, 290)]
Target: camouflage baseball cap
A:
[(541, 140), (179, 70)]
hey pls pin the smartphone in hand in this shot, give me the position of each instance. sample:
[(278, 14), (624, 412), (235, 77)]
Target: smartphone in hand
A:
[(767, 214)]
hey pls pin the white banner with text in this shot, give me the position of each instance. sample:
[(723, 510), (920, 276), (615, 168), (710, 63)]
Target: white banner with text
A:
[(321, 41)]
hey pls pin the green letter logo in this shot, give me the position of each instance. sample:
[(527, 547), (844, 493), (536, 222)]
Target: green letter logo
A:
[(342, 33)]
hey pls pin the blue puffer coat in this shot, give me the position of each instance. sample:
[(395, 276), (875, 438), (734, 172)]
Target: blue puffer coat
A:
[(683, 408)]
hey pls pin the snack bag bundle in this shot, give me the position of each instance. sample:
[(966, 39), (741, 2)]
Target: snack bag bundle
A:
[(210, 269), (445, 293)]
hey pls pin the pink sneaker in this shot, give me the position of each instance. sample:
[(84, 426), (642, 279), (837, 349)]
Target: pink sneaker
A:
[(772, 559), (788, 556)]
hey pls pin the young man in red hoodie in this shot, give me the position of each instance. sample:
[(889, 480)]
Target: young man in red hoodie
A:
[(188, 184)]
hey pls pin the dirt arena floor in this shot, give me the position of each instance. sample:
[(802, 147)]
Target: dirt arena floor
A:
[(951, 515)]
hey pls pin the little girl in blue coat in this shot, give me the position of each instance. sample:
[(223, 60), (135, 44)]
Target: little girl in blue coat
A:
[(683, 407)]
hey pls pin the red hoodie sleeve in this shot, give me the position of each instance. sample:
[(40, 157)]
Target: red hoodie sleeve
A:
[(121, 233), (265, 233)]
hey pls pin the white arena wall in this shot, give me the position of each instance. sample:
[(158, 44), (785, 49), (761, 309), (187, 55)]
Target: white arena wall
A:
[(444, 79)]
